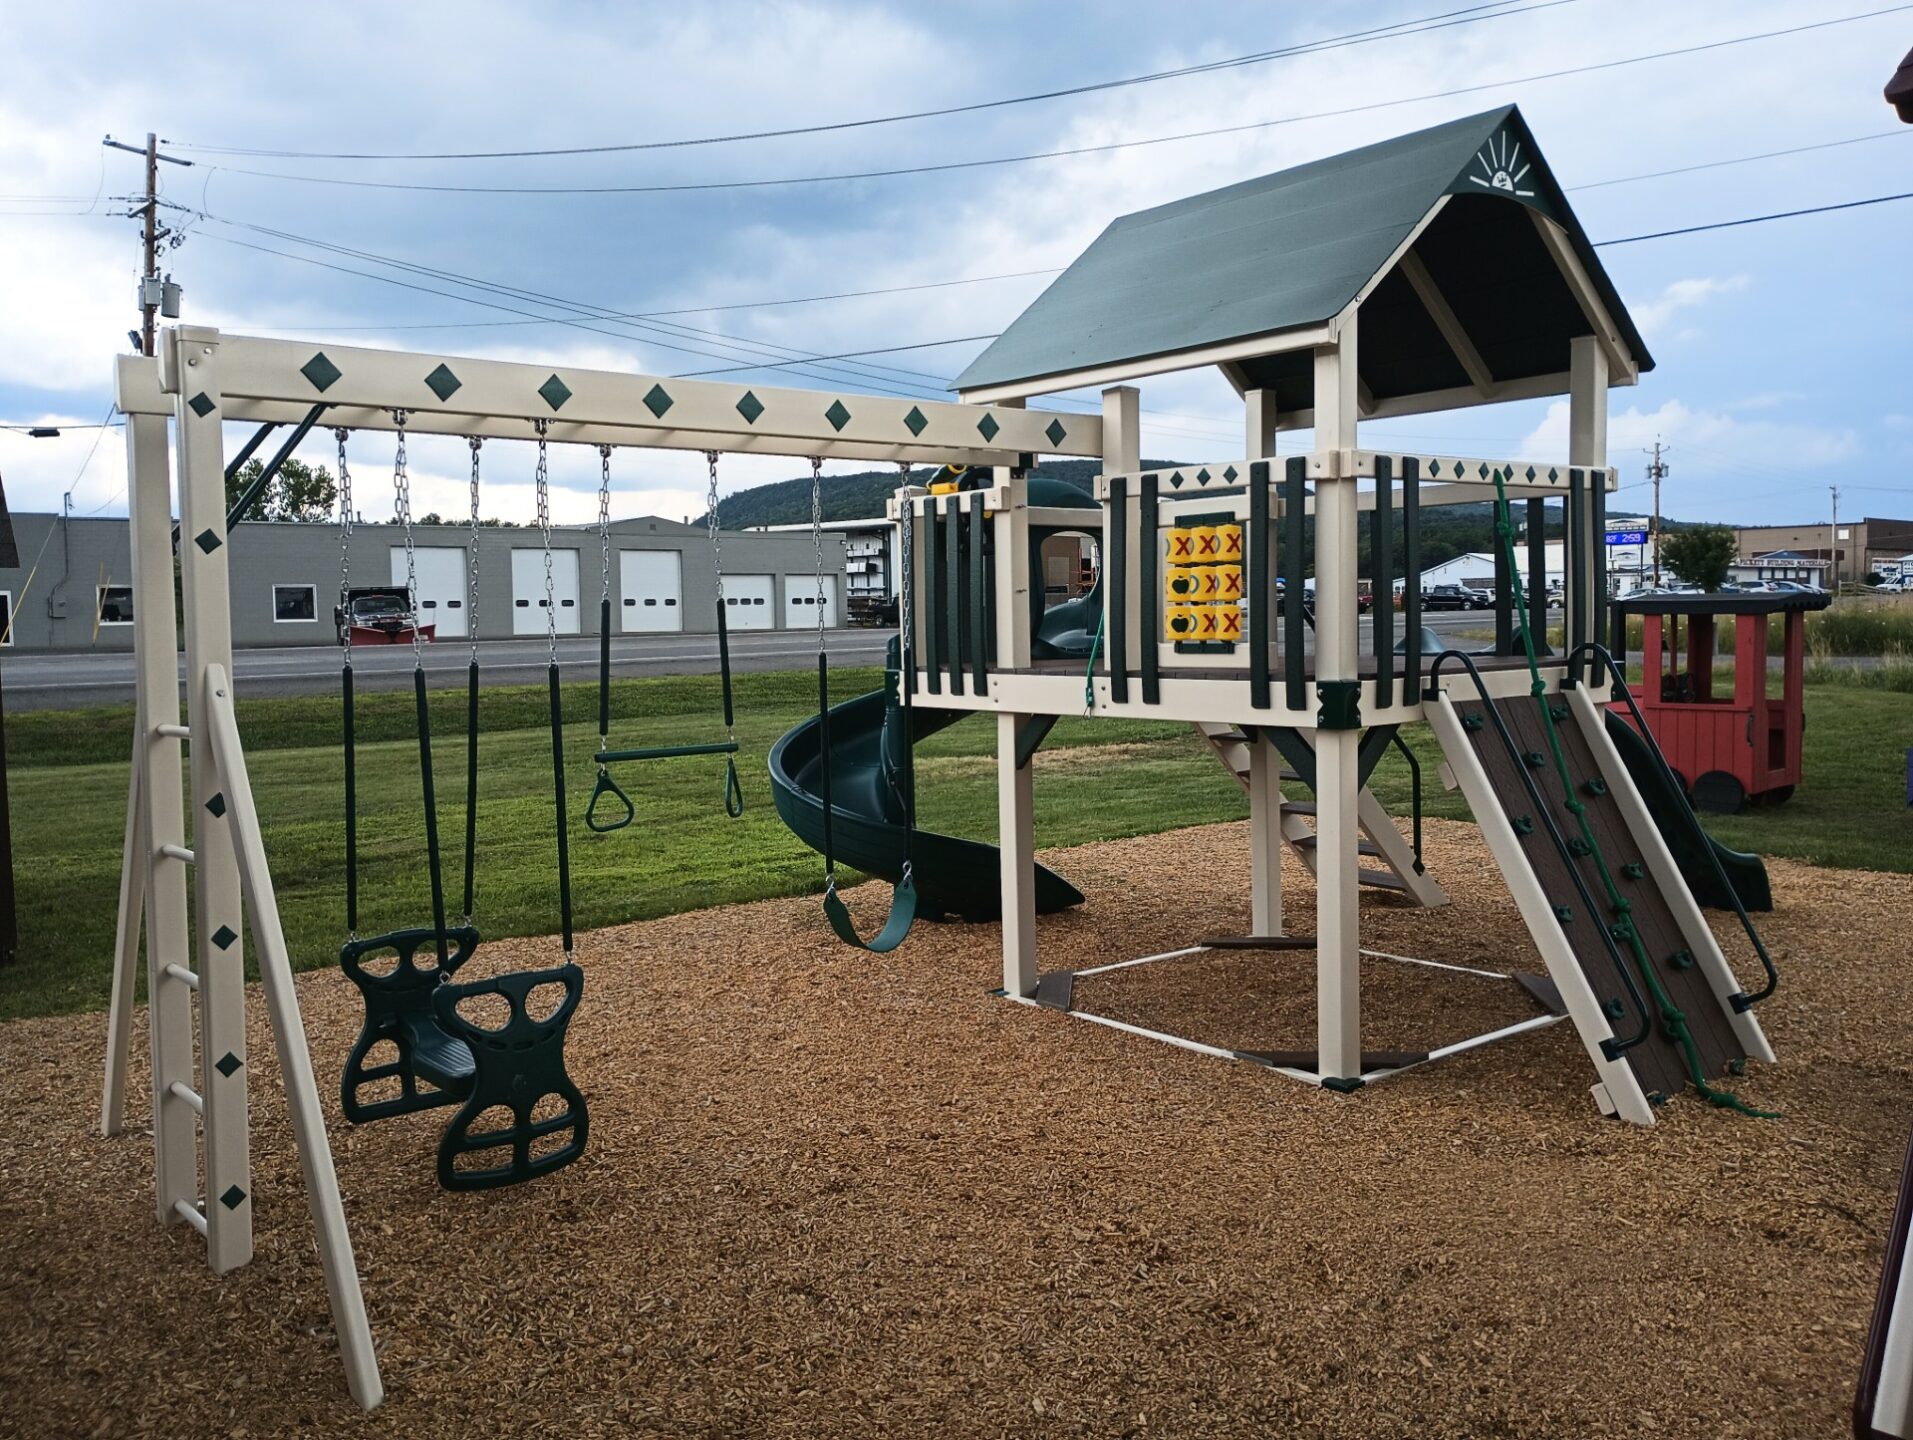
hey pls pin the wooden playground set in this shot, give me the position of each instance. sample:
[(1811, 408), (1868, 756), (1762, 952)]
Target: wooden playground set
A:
[(1439, 270)]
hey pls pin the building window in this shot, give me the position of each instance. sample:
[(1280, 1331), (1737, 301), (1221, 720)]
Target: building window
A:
[(295, 604), (116, 604)]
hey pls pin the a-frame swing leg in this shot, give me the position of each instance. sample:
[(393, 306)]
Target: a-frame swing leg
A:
[(289, 1036), (119, 1022)]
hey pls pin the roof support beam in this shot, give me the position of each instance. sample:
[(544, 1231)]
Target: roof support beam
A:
[(1620, 363), (1436, 304)]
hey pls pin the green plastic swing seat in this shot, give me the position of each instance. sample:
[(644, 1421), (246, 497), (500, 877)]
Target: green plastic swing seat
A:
[(445, 1057)]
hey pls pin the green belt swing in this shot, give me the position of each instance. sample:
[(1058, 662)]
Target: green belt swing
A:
[(619, 811), (415, 1040), (903, 897)]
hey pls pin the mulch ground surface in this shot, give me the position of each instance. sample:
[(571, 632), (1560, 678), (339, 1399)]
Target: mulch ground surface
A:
[(836, 1194)]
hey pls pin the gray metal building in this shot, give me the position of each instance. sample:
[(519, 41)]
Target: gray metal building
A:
[(72, 591)]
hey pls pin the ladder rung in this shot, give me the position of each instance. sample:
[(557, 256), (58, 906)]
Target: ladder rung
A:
[(181, 974), (191, 1214), (177, 852), (175, 732), (186, 1092)]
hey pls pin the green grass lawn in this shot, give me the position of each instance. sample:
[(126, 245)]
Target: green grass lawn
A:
[(68, 786)]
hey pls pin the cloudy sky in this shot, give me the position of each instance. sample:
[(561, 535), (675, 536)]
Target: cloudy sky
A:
[(1783, 347)]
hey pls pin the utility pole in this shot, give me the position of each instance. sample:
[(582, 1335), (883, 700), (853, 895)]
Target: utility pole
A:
[(1657, 471), (151, 290), (1833, 537)]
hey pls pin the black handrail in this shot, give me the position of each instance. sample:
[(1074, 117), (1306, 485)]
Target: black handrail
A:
[(1740, 1001), (1612, 1047), (1414, 771)]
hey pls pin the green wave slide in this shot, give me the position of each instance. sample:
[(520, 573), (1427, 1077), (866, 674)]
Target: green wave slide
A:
[(955, 879)]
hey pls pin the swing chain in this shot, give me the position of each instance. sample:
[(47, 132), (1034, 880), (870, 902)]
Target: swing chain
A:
[(817, 544), (471, 559), (717, 549), (906, 584), (817, 537), (402, 510), (604, 513), (542, 486), (345, 551)]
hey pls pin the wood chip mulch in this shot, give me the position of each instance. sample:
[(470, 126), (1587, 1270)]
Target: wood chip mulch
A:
[(834, 1194)]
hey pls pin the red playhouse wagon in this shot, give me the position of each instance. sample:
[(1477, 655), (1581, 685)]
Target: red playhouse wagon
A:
[(1724, 749)]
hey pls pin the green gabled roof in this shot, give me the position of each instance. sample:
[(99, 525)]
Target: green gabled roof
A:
[(1291, 250)]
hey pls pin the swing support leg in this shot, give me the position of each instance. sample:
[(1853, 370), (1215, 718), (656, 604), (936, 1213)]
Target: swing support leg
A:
[(1017, 839)]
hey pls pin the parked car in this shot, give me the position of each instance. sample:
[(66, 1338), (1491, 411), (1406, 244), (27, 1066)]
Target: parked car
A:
[(379, 616), (1455, 597)]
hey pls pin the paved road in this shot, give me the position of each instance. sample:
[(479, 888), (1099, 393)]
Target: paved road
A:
[(42, 681), (62, 681)]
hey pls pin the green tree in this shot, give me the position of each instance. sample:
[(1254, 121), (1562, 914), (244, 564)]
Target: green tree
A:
[(1700, 554), (298, 492)]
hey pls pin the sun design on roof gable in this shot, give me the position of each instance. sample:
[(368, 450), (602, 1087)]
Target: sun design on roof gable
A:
[(1502, 167)]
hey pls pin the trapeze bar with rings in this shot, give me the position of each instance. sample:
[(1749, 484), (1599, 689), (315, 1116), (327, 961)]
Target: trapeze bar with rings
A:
[(665, 752), (610, 808)]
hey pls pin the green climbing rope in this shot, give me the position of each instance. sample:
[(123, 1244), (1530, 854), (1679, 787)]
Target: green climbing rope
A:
[(1089, 671), (1673, 1019)]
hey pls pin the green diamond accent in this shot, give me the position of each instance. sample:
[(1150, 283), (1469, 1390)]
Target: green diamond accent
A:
[(206, 541), (1483, 472), (1230, 473), (202, 405), (1554, 474), (233, 1198), (1056, 432), (750, 407), (837, 415), (217, 805), (555, 392), (442, 382), (916, 422), (987, 426), (224, 936), (1531, 472), (228, 1063), (321, 372), (657, 400), (1202, 477)]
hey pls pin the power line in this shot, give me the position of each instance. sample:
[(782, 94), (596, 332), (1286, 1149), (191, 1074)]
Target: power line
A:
[(952, 165), (696, 309), (1740, 160), (983, 279), (1468, 16), (1758, 219)]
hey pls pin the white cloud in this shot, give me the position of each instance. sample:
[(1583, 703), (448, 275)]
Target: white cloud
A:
[(1652, 315)]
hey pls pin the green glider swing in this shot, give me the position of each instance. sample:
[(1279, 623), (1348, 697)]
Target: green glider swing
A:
[(619, 809), (903, 897)]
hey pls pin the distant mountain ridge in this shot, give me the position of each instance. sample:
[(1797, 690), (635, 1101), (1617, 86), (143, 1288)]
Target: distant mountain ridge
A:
[(1446, 530), (861, 496)]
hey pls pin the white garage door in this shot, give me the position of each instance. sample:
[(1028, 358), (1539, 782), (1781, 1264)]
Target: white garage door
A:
[(528, 591), (652, 583), (750, 602), (441, 587), (800, 602)]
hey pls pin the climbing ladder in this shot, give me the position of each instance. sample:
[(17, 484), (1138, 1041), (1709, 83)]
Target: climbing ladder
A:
[(1400, 870), (195, 972), (1498, 754)]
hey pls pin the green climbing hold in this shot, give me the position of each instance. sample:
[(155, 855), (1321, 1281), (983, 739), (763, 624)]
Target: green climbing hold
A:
[(1472, 722), (1534, 759), (1634, 870), (1524, 824), (1564, 913), (1614, 1008), (1682, 960), (1578, 846), (1596, 787)]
